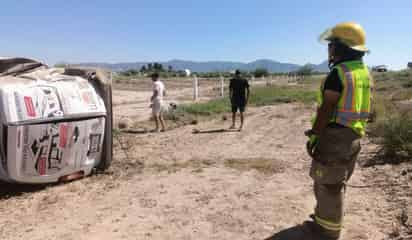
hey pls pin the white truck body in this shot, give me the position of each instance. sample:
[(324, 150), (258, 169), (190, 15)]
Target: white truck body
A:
[(53, 125)]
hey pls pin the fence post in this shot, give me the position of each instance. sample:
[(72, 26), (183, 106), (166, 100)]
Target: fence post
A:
[(222, 86), (195, 88), (267, 80)]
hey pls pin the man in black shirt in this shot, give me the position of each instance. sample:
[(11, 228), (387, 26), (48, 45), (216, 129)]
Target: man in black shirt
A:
[(239, 96)]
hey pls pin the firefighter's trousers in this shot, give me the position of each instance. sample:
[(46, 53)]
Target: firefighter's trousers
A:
[(332, 166)]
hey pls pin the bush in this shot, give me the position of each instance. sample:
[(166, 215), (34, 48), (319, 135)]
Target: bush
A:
[(260, 72), (207, 108), (305, 70), (397, 136), (407, 84), (130, 72), (393, 127), (400, 76)]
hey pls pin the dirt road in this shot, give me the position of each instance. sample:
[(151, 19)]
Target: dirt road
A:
[(226, 185)]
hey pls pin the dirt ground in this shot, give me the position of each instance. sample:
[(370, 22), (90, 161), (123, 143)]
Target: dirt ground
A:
[(217, 184)]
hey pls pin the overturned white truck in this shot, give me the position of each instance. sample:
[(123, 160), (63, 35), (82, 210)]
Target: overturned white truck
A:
[(56, 123)]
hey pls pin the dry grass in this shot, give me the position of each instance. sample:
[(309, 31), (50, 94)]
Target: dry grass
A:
[(393, 115), (265, 166), (262, 165), (196, 164)]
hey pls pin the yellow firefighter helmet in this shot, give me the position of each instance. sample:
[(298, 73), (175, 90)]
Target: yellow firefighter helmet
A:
[(349, 33)]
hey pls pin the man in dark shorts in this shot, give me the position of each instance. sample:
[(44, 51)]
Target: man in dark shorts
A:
[(239, 96)]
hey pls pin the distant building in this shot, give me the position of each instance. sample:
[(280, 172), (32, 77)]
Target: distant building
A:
[(410, 65), (380, 68)]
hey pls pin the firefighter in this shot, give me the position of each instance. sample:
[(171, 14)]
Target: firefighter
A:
[(343, 111)]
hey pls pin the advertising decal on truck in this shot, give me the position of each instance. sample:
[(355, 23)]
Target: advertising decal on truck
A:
[(51, 147)]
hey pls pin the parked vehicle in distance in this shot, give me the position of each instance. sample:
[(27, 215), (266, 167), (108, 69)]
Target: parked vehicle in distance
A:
[(380, 68)]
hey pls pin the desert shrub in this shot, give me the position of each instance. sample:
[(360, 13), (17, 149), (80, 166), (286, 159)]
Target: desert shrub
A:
[(206, 108), (407, 84), (261, 72), (397, 136)]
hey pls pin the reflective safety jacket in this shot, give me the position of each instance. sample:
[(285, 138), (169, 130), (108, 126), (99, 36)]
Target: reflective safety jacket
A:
[(355, 102)]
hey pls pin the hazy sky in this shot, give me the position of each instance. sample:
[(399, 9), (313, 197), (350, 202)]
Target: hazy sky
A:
[(236, 30)]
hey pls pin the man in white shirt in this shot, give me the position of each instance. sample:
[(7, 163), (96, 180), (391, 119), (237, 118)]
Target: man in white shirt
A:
[(159, 92)]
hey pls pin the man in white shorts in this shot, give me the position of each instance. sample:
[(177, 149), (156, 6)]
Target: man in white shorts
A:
[(159, 92)]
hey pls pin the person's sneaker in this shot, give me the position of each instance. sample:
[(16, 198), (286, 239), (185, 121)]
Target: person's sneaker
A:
[(232, 127)]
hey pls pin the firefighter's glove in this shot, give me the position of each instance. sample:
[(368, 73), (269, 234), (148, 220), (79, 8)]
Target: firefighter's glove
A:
[(311, 143)]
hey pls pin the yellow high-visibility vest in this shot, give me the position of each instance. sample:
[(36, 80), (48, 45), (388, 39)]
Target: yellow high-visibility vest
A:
[(354, 104)]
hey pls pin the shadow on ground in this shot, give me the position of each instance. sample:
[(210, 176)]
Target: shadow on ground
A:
[(9, 190), (197, 131), (137, 131), (297, 232), (380, 158)]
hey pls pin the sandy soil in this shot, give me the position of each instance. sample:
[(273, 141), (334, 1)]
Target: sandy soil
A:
[(219, 185)]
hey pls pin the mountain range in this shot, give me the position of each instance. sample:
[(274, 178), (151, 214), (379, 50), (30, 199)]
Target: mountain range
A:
[(212, 66)]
